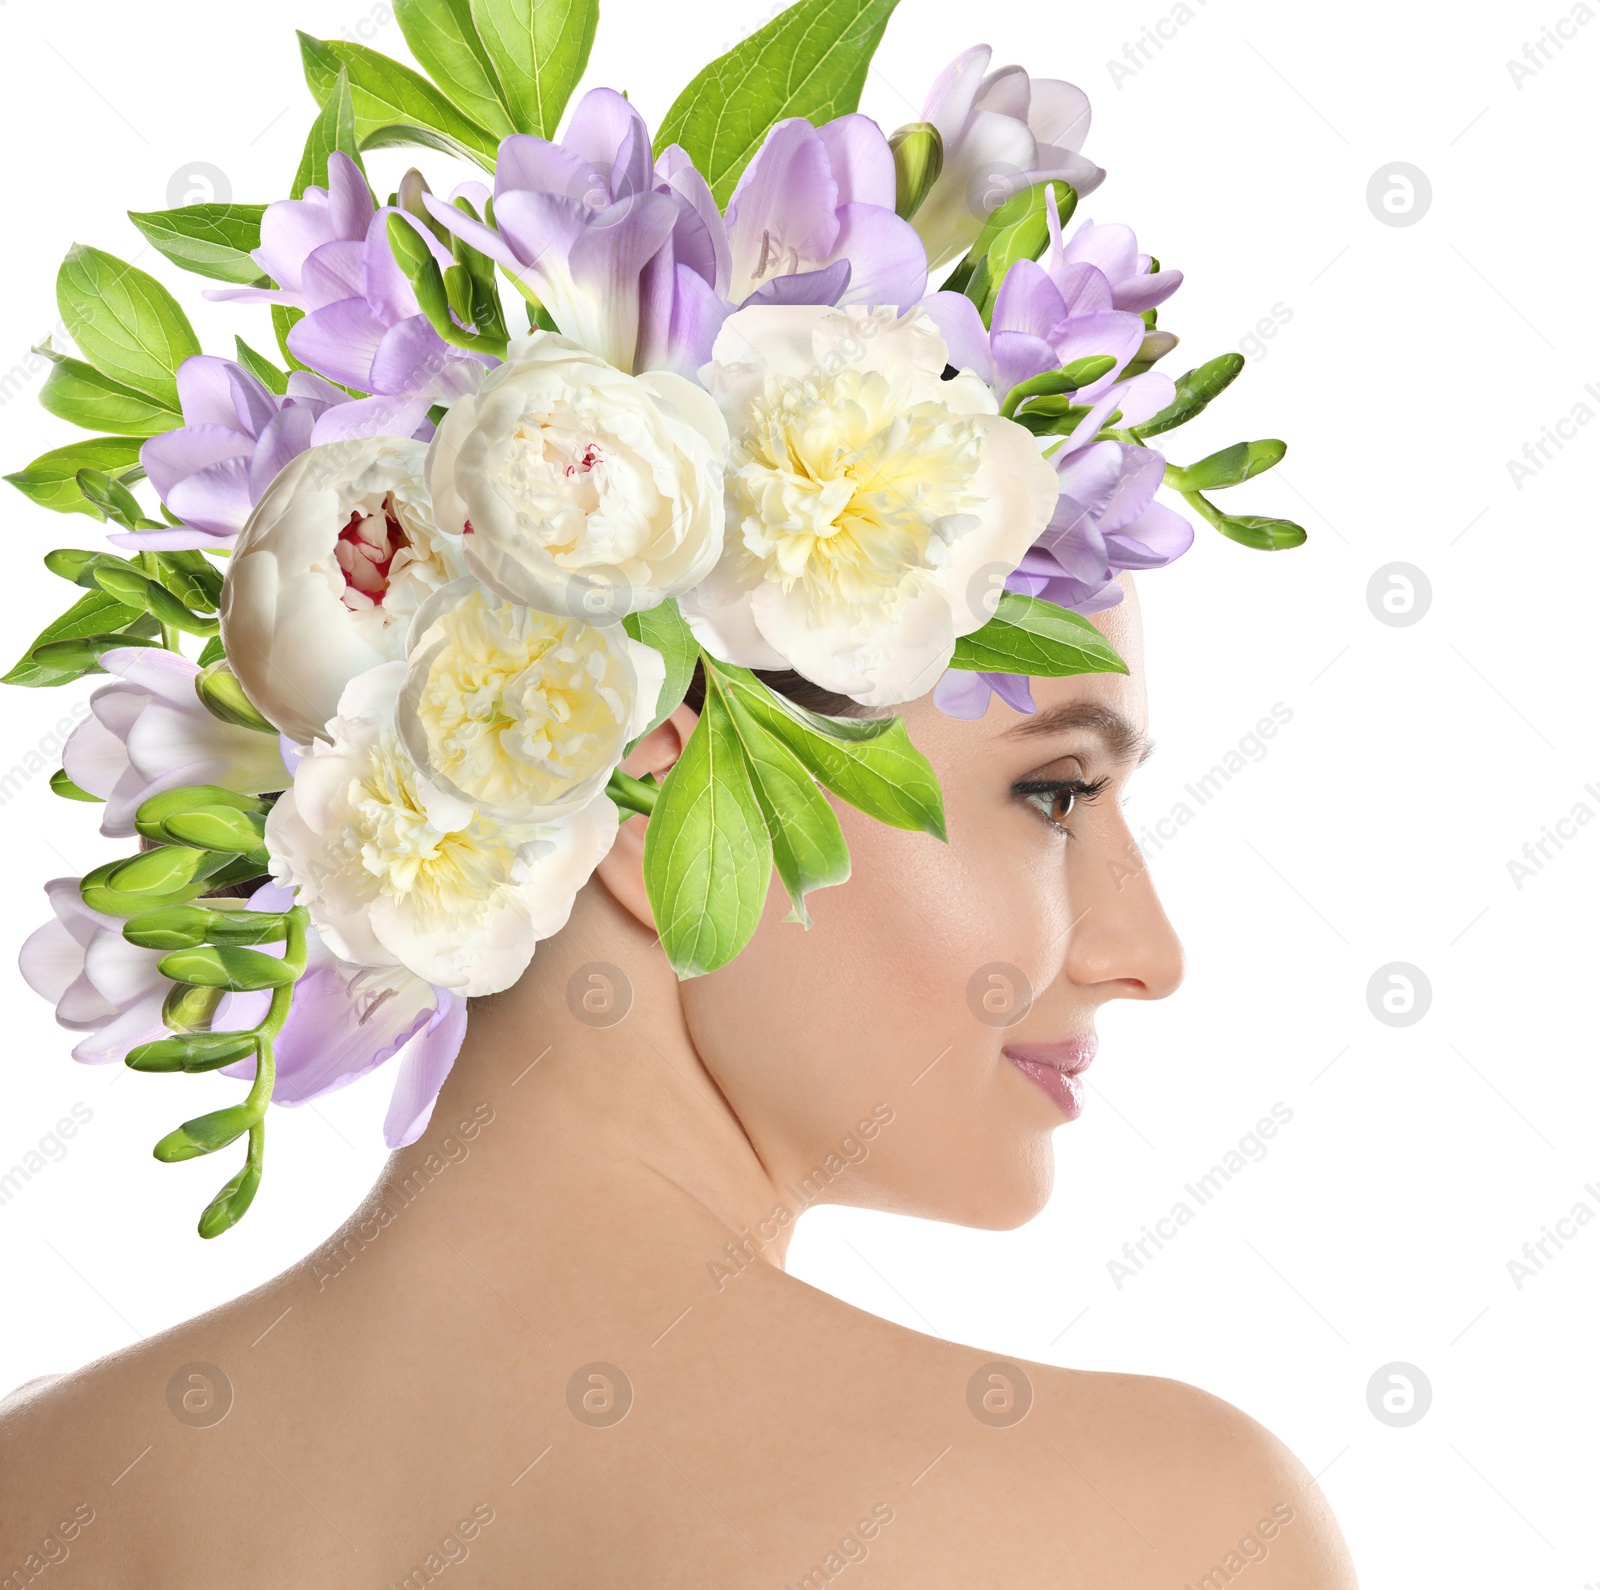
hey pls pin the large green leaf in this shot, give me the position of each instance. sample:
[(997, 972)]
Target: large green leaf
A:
[(127, 324), (707, 854), (869, 762), (334, 128), (811, 60), (51, 480), (1030, 636), (96, 613), (78, 393), (212, 240), (392, 104), (663, 628), (808, 846), (444, 38), (538, 49)]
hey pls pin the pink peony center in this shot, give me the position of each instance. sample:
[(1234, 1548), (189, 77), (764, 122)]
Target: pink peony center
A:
[(366, 550)]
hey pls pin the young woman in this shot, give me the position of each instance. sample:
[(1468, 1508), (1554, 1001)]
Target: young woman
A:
[(593, 640)]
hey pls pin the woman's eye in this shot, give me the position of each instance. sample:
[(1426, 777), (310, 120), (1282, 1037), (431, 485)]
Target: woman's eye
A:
[(1056, 799)]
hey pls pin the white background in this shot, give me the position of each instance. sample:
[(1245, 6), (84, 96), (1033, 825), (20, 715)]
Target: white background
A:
[(1412, 364)]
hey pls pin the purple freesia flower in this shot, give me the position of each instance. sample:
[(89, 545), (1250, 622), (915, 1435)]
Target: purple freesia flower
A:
[(365, 329), (1114, 251), (235, 437), (345, 1021), (634, 261)]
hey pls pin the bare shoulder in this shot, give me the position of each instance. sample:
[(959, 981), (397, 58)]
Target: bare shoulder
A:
[(1218, 1491)]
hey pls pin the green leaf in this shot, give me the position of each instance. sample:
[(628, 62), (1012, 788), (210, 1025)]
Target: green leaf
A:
[(77, 393), (1195, 389), (212, 240), (538, 50), (93, 614), (226, 966), (444, 38), (664, 629), (334, 129), (1230, 467), (51, 480), (392, 104), (1016, 229), (1031, 636), (264, 370), (808, 846), (707, 854), (127, 324), (869, 762), (284, 317), (811, 60)]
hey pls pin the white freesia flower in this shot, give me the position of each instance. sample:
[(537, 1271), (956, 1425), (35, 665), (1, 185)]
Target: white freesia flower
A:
[(1002, 131), (100, 984), (395, 871), (522, 713), (338, 554), (868, 499), (149, 731), (579, 488)]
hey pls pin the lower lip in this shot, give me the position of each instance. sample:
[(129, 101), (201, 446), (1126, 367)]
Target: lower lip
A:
[(1065, 1089)]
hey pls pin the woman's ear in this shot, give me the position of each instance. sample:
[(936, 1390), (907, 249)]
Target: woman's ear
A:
[(622, 868)]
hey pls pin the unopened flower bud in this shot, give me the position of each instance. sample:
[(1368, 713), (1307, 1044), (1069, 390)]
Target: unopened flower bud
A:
[(918, 160)]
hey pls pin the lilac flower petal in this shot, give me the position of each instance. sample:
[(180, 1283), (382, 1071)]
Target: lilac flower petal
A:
[(340, 340), (1017, 356), (498, 246), (140, 1023), (385, 286), (1146, 290), (331, 1037), (1143, 395), (961, 693), (604, 129), (373, 416), (699, 238), (1013, 689), (305, 386), (950, 99), (804, 287), (1110, 331), (697, 316), (216, 499), (787, 192), (206, 392), (253, 405), (889, 264), (175, 539), (174, 455), (331, 273), (350, 203), (1058, 113), (1152, 540), (539, 166), (1083, 288), (965, 335), (286, 437), (423, 1068), (51, 961), (863, 163), (1028, 301), (413, 358)]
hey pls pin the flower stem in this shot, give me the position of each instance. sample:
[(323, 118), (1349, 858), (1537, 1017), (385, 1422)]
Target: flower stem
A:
[(633, 794), (169, 633)]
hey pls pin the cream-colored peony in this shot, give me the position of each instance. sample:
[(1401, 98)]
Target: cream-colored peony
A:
[(580, 489), (339, 553), (522, 713), (869, 501), (395, 872)]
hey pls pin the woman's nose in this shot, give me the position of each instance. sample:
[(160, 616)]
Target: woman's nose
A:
[(1120, 933)]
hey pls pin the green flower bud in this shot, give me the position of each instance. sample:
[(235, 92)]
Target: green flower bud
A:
[(1229, 467), (230, 1204), (918, 160), (163, 871), (224, 698), (154, 812), (201, 1051), (220, 828), (205, 1134), (224, 966), (189, 1008)]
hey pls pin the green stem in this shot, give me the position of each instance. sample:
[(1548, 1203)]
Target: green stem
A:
[(294, 953), (633, 794)]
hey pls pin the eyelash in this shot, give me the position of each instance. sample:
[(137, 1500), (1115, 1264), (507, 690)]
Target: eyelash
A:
[(1055, 788)]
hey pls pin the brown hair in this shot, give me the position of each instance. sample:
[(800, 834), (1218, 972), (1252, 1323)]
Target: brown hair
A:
[(793, 686)]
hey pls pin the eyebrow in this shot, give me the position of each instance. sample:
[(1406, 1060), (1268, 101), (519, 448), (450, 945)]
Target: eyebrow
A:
[(1124, 742)]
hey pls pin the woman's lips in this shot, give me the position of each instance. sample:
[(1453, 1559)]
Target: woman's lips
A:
[(1056, 1067)]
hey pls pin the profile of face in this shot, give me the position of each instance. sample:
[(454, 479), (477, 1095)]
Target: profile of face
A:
[(896, 1008)]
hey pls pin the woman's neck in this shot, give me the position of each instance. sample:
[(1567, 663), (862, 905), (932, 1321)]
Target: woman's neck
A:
[(560, 1143)]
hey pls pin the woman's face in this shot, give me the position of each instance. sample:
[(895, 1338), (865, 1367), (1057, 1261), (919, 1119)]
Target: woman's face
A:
[(867, 1056)]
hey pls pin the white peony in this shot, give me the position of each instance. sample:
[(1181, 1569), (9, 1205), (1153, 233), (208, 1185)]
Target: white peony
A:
[(520, 712), (395, 871), (339, 552), (870, 502), (578, 488)]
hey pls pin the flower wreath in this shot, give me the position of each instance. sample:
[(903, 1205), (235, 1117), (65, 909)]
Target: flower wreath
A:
[(442, 572)]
